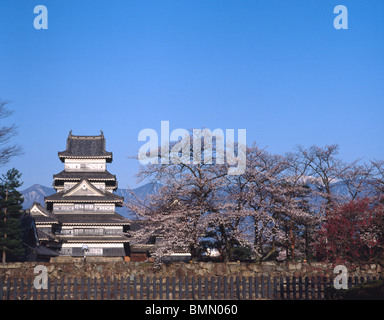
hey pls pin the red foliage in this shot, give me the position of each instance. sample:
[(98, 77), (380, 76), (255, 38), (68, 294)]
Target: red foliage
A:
[(353, 232)]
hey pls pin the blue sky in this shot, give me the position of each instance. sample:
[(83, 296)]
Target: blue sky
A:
[(277, 68)]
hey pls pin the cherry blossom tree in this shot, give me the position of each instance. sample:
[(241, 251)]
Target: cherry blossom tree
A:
[(288, 206), (357, 179), (271, 202), (323, 169), (378, 176), (178, 210)]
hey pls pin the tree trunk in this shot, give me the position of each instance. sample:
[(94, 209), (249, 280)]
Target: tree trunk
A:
[(193, 251), (5, 221), (306, 243), (273, 250), (225, 257), (292, 240), (227, 246), (4, 255)]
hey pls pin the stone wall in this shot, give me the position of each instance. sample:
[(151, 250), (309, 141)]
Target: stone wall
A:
[(118, 268)]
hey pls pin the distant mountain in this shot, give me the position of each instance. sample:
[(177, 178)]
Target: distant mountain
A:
[(37, 192), (140, 192)]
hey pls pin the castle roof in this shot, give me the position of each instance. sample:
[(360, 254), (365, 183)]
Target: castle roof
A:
[(41, 215), (84, 191), (91, 219), (91, 175), (85, 147)]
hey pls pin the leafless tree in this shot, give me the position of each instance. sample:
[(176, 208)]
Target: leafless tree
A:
[(323, 169), (357, 179), (7, 150), (378, 176)]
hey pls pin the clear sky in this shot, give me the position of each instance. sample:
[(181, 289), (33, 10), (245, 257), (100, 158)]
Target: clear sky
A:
[(277, 68)]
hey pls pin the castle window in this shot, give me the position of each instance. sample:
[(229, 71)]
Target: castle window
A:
[(84, 206)]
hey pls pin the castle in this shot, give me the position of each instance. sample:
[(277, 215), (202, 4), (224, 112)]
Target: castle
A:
[(80, 219)]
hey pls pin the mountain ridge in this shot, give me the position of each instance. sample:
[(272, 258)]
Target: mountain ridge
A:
[(37, 192)]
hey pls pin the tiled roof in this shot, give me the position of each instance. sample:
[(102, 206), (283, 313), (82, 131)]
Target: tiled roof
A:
[(44, 217), (67, 175), (85, 146), (107, 197), (42, 250), (44, 235), (92, 218), (102, 196)]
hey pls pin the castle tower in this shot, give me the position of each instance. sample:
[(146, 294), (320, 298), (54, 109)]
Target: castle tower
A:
[(80, 218)]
